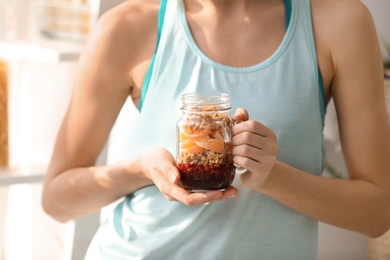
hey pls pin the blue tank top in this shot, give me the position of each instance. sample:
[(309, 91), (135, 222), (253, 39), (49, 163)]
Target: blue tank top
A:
[(283, 92)]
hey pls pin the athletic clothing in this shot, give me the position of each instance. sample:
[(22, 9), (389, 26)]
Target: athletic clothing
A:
[(283, 92)]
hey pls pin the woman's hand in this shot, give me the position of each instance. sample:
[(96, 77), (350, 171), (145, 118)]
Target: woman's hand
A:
[(254, 148), (162, 171)]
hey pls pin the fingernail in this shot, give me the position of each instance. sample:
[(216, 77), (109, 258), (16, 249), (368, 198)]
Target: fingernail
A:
[(239, 111), (172, 177)]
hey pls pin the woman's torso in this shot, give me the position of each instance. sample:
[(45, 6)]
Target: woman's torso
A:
[(264, 49), (252, 226)]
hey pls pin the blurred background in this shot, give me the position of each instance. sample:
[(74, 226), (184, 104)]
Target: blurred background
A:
[(40, 41)]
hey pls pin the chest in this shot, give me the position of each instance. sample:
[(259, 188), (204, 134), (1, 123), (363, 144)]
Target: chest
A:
[(241, 39)]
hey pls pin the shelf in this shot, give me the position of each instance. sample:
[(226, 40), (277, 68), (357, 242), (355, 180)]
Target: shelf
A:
[(45, 51), (21, 176)]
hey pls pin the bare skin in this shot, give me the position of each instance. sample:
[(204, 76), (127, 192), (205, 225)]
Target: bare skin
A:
[(113, 66)]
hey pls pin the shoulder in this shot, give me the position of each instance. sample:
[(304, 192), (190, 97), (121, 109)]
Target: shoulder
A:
[(129, 20), (131, 24), (339, 20), (342, 30), (123, 37), (343, 10)]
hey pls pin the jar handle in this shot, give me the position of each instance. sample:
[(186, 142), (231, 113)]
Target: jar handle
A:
[(238, 169)]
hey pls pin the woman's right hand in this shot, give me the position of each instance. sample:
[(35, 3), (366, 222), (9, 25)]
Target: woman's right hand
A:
[(159, 166)]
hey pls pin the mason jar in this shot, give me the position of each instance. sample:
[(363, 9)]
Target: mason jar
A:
[(204, 151)]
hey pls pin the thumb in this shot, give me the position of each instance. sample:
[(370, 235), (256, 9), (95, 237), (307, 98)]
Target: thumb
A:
[(241, 114), (164, 163), (168, 171)]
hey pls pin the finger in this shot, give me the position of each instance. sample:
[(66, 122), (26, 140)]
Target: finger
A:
[(252, 165), (197, 198), (169, 171), (249, 139), (174, 192), (241, 114), (251, 158), (248, 151), (254, 127), (211, 196), (166, 165), (170, 189), (246, 141), (230, 192), (254, 147), (247, 163), (170, 198)]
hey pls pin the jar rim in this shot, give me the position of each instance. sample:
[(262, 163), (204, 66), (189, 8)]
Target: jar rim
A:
[(206, 99)]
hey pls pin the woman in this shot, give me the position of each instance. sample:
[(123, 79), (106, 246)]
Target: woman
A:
[(281, 61)]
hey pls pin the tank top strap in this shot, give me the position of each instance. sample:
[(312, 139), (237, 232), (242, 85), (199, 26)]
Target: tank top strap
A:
[(145, 85)]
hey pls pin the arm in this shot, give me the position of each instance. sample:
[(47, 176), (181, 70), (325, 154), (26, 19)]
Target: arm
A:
[(111, 68), (73, 186), (355, 80)]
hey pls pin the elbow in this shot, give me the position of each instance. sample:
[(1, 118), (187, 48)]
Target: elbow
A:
[(379, 213), (53, 210), (381, 223), (378, 232), (381, 229)]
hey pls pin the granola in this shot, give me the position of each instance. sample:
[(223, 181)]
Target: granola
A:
[(202, 140)]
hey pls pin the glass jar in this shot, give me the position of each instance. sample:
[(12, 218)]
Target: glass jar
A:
[(204, 156)]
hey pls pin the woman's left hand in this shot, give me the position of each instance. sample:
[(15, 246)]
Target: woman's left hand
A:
[(254, 148)]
